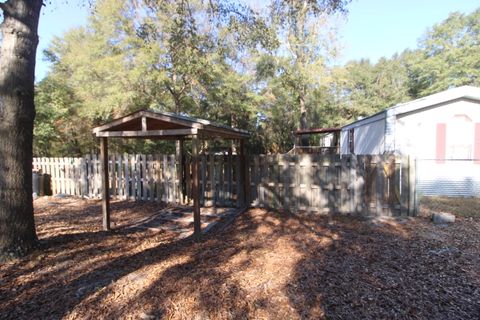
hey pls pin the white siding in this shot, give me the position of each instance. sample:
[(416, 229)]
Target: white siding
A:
[(369, 136), (344, 142), (411, 129), (453, 178), (415, 133)]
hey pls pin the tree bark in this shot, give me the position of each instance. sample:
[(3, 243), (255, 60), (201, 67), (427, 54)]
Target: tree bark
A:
[(17, 113), (303, 118)]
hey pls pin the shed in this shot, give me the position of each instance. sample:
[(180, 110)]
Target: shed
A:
[(150, 124), (441, 131)]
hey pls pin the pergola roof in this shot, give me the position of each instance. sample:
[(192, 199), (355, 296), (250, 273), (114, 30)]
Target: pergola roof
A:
[(165, 125)]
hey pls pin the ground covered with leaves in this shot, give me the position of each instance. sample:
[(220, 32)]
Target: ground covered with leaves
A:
[(265, 265)]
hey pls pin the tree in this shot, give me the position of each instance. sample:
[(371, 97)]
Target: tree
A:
[(363, 88), (179, 56), (291, 74), (17, 112), (447, 55), (56, 130), (302, 22)]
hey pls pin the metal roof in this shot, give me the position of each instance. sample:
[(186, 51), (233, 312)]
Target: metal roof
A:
[(463, 92)]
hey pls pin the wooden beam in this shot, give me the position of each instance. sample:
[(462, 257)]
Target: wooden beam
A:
[(117, 122), (150, 133), (105, 186), (225, 133), (195, 188)]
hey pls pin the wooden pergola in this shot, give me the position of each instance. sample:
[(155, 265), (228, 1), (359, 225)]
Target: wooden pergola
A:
[(149, 124)]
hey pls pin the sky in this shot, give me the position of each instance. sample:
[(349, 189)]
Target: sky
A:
[(373, 28)]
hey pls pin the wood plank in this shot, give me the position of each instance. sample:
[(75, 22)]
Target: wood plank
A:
[(144, 182), (262, 181), (158, 177), (404, 186), (256, 180), (112, 178), (121, 177), (412, 198), (188, 179), (275, 182), (211, 165), (284, 161), (172, 179), (370, 178), (98, 175), (83, 177), (239, 181), (379, 186), (88, 160), (61, 182), (137, 186), (345, 185), (203, 179), (128, 177), (180, 159), (229, 179), (150, 188), (354, 184), (165, 195), (66, 171), (221, 181), (391, 184)]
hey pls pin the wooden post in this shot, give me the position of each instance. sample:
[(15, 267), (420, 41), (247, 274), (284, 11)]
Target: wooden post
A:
[(105, 185), (195, 189), (179, 145)]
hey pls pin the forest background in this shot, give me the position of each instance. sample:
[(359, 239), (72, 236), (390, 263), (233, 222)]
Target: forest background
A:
[(255, 69)]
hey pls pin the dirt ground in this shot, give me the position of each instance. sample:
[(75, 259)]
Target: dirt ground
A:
[(265, 265)]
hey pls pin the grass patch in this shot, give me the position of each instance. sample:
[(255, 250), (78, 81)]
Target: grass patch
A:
[(460, 207)]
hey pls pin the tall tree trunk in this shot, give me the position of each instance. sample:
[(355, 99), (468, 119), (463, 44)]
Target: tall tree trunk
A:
[(303, 118), (17, 112)]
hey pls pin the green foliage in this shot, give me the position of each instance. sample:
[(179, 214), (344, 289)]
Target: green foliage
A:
[(448, 55), (57, 131), (221, 60), (365, 88)]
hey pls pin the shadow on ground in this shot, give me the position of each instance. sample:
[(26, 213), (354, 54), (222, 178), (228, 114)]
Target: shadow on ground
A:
[(265, 265)]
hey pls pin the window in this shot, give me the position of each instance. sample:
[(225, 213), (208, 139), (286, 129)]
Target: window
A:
[(460, 138)]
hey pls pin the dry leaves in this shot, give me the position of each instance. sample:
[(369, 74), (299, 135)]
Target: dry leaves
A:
[(266, 265)]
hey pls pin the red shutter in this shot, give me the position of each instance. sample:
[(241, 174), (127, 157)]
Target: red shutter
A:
[(476, 144), (441, 142)]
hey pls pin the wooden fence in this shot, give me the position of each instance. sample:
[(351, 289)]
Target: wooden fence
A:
[(146, 177), (369, 185)]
